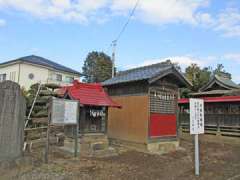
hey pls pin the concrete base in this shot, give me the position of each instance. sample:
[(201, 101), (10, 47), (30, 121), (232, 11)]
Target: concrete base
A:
[(90, 145), (163, 147), (128, 144), (69, 146), (156, 147), (93, 142)]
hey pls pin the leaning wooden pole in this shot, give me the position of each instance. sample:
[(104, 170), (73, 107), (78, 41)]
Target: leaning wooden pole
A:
[(34, 101)]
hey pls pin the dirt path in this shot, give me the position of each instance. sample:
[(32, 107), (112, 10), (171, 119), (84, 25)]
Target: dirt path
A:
[(218, 162)]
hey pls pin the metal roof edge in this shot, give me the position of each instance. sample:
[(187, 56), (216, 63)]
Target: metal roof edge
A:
[(21, 60), (51, 68)]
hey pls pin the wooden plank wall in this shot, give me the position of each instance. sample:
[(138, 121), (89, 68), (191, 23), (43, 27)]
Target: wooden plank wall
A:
[(134, 88), (130, 123), (216, 124)]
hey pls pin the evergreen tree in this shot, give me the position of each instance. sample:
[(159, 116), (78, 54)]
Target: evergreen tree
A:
[(40, 107), (97, 67), (197, 76), (221, 71)]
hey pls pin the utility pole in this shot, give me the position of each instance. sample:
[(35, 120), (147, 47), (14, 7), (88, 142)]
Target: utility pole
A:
[(114, 44)]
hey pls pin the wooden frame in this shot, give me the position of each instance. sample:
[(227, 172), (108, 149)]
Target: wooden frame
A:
[(168, 89), (50, 104)]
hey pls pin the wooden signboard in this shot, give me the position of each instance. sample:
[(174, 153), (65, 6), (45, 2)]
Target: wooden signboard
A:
[(63, 112), (196, 126), (196, 116)]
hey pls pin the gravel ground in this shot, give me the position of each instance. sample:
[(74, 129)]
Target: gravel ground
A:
[(219, 161)]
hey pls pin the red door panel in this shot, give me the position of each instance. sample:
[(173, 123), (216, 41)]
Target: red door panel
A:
[(163, 125)]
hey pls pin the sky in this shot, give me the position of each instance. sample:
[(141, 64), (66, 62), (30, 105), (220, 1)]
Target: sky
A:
[(206, 32)]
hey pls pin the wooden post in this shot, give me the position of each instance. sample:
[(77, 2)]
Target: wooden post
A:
[(178, 123), (76, 141), (218, 127), (76, 133), (47, 142), (48, 132), (106, 121), (196, 143)]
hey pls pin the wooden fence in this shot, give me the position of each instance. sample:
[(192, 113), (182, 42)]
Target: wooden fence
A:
[(36, 133), (215, 124)]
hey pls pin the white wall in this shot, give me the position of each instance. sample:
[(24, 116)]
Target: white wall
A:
[(64, 76), (10, 70), (40, 73)]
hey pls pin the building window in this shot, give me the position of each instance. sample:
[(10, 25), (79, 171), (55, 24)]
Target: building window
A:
[(69, 79), (12, 76), (31, 76), (58, 77), (3, 77)]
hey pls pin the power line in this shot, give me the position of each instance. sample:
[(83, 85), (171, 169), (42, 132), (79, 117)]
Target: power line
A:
[(126, 24), (123, 28), (114, 42)]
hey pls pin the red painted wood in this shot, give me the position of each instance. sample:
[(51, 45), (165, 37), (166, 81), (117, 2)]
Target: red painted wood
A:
[(213, 99), (163, 125)]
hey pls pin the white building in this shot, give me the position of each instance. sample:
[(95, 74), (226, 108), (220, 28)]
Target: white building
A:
[(34, 69)]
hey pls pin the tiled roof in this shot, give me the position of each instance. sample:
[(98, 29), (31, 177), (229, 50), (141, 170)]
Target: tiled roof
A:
[(91, 94), (227, 81), (212, 92), (143, 73), (43, 62), (221, 81)]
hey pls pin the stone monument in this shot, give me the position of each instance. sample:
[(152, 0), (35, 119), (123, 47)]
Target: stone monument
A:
[(12, 117)]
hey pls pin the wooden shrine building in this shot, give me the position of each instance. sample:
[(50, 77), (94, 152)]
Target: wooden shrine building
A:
[(94, 104), (219, 85), (148, 97), (221, 103)]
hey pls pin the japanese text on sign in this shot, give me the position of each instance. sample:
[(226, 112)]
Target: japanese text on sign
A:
[(64, 111), (196, 116)]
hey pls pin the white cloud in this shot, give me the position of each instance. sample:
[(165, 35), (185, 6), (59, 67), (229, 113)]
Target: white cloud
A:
[(2, 22), (186, 60), (78, 10), (205, 19), (65, 4), (154, 11), (161, 11), (183, 61), (232, 57), (228, 22)]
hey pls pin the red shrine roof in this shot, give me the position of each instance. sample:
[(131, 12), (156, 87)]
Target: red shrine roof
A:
[(88, 94), (213, 99)]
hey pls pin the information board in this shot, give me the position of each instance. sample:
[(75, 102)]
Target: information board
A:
[(196, 116), (64, 111)]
